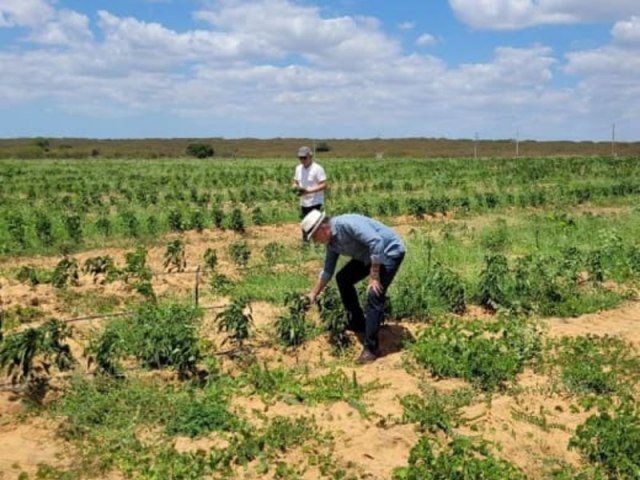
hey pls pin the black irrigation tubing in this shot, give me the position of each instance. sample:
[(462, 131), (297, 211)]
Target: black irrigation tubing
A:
[(123, 314)]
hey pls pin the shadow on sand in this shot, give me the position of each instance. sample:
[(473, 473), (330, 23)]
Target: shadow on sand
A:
[(391, 338)]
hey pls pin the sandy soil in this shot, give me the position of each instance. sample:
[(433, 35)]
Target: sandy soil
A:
[(377, 444)]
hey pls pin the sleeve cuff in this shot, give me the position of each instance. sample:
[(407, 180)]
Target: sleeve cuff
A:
[(325, 277)]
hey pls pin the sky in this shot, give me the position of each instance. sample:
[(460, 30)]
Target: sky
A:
[(487, 69)]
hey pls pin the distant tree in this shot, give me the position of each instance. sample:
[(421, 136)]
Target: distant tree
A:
[(42, 143), (200, 150), (323, 147)]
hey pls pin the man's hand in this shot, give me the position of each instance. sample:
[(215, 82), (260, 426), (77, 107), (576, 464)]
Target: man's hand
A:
[(302, 191), (309, 299), (376, 286), (374, 279)]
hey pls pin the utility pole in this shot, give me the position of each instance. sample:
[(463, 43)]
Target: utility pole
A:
[(613, 140), (518, 144), (475, 147)]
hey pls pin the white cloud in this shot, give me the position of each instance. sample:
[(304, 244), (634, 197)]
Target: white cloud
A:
[(426, 40), (512, 14), (68, 28), (346, 75), (627, 32), (407, 26), (24, 12), (301, 30)]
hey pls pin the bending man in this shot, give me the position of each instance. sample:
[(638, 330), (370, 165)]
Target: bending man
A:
[(376, 251)]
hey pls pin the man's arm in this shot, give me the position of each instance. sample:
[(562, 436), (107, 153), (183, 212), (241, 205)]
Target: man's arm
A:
[(330, 261), (316, 290), (318, 188)]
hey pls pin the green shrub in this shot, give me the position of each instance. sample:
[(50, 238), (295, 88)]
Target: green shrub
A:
[(166, 335), (610, 440), (486, 354), (461, 459), (598, 365)]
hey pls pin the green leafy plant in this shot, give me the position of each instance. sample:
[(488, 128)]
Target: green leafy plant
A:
[(45, 345), (44, 229), (434, 411), (236, 320), (220, 284), (236, 220), (174, 256), (240, 252), (333, 318), (136, 265), (273, 252), (101, 268), (461, 459), (16, 226), (492, 282), (73, 225), (176, 221), (210, 259), (292, 328), (31, 275), (610, 439), (257, 216), (65, 273), (487, 354), (105, 351), (595, 365), (166, 335)]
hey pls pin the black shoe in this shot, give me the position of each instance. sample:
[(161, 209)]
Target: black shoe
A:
[(366, 356)]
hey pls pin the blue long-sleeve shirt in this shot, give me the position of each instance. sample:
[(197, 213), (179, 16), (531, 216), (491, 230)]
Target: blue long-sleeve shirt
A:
[(361, 238)]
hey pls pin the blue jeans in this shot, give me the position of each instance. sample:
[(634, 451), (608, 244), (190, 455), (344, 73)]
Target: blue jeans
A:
[(368, 322)]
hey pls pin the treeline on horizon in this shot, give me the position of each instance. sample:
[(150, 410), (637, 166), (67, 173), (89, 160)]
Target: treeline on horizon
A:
[(152, 148)]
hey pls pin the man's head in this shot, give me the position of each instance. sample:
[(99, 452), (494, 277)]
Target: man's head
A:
[(305, 155), (315, 226)]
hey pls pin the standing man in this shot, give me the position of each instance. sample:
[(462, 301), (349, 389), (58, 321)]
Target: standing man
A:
[(310, 181), (376, 251)]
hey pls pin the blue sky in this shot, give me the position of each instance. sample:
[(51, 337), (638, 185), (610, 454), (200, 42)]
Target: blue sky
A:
[(535, 69)]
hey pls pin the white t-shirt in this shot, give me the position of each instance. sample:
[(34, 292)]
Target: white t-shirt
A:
[(310, 178)]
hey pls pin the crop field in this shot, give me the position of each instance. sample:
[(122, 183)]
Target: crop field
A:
[(151, 322)]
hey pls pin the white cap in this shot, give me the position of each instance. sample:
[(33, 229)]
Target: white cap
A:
[(304, 152)]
